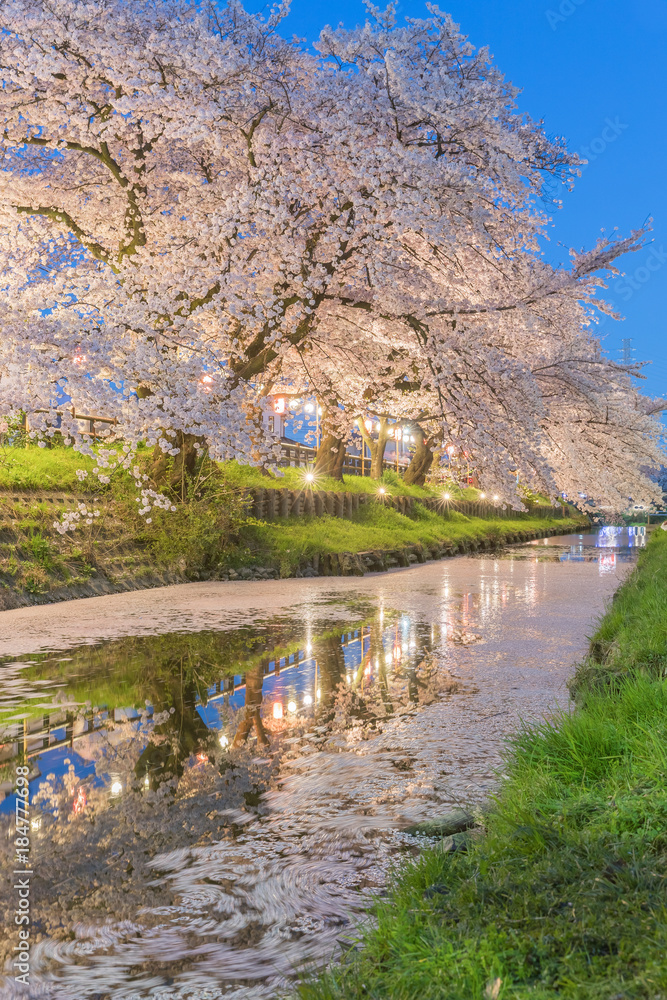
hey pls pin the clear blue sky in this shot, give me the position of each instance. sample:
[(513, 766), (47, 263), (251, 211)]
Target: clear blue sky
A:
[(594, 70)]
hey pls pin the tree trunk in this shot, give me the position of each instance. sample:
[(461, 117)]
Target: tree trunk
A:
[(376, 448), (184, 465), (330, 457), (421, 461)]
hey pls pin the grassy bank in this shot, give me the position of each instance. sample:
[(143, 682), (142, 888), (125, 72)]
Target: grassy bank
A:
[(209, 536), (292, 542), (566, 894)]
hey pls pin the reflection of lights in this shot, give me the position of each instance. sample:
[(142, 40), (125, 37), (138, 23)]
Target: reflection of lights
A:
[(309, 407), (367, 669), (277, 710), (387, 659), (309, 648), (146, 782), (308, 699), (223, 741), (319, 694), (36, 824), (202, 758), (496, 497), (116, 787), (348, 679), (291, 706)]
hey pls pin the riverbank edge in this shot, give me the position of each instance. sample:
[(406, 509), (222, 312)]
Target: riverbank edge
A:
[(323, 563), (560, 892)]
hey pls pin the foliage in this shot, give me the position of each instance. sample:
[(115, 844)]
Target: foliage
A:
[(195, 212), (632, 636), (294, 541), (565, 894)]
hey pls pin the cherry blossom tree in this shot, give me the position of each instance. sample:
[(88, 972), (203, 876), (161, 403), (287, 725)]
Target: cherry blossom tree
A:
[(195, 212)]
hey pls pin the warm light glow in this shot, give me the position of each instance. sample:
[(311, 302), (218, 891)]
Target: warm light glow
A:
[(382, 491), (79, 801), (291, 706), (319, 694), (35, 824), (368, 424), (309, 407), (482, 496), (146, 781), (309, 648), (387, 659), (390, 432), (308, 699), (450, 449), (277, 710), (202, 758), (79, 358), (223, 741), (207, 378), (116, 787), (399, 433), (348, 679), (279, 404), (446, 496), (496, 497), (309, 477), (367, 669)]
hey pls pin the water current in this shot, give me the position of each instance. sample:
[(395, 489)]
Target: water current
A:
[(222, 774)]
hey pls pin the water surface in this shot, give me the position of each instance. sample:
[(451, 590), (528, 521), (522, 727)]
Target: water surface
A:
[(223, 773)]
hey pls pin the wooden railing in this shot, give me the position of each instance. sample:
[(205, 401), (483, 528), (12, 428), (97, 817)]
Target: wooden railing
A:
[(91, 419)]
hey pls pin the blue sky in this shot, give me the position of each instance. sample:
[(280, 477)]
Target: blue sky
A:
[(594, 70)]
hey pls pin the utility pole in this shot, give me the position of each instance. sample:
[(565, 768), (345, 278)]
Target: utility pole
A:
[(627, 351)]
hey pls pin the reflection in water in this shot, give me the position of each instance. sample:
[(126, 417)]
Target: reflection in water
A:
[(212, 809), (608, 547)]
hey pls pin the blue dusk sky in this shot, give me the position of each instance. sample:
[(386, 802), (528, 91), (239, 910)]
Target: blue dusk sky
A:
[(594, 71)]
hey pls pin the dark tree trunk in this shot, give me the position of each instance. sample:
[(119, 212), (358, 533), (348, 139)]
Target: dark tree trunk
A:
[(421, 461), (330, 457), (184, 464), (376, 447)]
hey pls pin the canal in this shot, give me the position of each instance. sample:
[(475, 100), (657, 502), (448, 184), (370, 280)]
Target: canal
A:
[(222, 774)]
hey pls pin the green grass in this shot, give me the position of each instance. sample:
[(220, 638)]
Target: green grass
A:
[(293, 541), (36, 468), (565, 896), (293, 478), (632, 636)]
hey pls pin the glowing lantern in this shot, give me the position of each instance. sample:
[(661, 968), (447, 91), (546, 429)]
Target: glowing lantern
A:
[(279, 404), (277, 710)]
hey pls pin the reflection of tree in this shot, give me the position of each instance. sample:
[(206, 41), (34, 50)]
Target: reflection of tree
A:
[(181, 734), (252, 713)]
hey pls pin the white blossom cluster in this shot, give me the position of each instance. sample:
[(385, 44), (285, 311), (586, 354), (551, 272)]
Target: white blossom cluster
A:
[(71, 519), (196, 213)]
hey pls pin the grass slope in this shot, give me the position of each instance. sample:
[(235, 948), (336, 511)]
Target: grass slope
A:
[(289, 542), (566, 894)]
